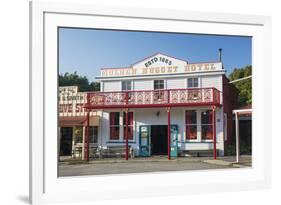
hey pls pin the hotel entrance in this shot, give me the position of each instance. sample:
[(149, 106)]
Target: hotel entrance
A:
[(159, 140)]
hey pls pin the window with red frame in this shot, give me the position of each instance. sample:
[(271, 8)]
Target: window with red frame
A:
[(206, 125), (190, 125), (130, 125), (114, 125)]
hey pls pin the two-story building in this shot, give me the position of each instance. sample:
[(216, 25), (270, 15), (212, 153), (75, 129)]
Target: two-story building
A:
[(138, 104)]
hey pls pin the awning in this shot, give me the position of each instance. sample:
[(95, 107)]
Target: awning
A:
[(78, 121)]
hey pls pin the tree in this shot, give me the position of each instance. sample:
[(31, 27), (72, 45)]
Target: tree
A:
[(73, 79), (95, 86), (244, 86)]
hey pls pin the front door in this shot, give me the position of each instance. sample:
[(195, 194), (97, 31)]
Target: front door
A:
[(159, 139), (66, 141), (144, 141)]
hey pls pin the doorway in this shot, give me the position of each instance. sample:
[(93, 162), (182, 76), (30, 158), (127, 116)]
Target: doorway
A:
[(66, 141), (159, 139)]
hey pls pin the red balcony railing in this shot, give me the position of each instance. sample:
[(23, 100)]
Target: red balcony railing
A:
[(153, 98)]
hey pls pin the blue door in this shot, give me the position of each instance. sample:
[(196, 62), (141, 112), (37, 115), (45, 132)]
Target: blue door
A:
[(144, 150), (174, 140)]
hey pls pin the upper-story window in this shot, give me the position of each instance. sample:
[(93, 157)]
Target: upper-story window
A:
[(158, 94), (126, 85), (158, 84), (192, 83)]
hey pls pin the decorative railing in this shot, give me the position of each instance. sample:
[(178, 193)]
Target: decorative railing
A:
[(154, 98)]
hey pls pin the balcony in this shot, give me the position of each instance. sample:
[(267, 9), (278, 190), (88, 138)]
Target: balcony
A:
[(154, 98)]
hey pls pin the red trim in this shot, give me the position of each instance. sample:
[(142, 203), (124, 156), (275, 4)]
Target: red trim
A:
[(152, 105), (127, 143), (169, 133), (87, 136), (214, 132)]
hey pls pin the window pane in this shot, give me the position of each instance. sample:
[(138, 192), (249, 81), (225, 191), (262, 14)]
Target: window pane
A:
[(114, 133), (114, 125), (207, 132), (94, 134), (189, 84), (192, 82), (190, 117), (126, 85), (206, 117), (123, 85), (114, 118), (158, 84), (191, 132), (195, 82)]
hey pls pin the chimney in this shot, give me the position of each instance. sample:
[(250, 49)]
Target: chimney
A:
[(220, 54)]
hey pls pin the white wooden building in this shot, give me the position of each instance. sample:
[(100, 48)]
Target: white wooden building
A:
[(156, 94)]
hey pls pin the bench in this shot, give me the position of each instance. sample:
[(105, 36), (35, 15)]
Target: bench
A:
[(197, 153), (116, 151)]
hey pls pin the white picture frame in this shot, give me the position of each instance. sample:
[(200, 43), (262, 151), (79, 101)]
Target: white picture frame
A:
[(46, 187)]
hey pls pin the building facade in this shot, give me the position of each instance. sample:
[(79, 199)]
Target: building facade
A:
[(137, 105)]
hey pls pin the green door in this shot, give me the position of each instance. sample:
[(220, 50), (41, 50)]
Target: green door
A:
[(144, 141), (174, 140)]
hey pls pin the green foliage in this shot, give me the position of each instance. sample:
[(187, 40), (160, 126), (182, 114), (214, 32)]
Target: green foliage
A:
[(244, 86), (95, 86), (71, 79)]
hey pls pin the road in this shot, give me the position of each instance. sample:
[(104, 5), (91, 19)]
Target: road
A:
[(134, 166)]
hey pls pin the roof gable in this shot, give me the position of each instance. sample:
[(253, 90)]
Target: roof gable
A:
[(158, 60)]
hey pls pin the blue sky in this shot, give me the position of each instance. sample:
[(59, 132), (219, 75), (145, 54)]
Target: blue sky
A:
[(88, 50)]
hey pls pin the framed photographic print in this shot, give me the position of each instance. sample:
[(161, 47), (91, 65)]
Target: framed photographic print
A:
[(147, 102)]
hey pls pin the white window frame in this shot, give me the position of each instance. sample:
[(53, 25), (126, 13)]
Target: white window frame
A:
[(126, 85), (200, 113), (198, 79), (164, 84), (198, 128)]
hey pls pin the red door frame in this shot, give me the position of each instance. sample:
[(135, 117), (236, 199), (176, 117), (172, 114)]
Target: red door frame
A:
[(214, 132)]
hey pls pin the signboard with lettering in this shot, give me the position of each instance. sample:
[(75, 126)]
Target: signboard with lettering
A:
[(71, 102), (161, 64)]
